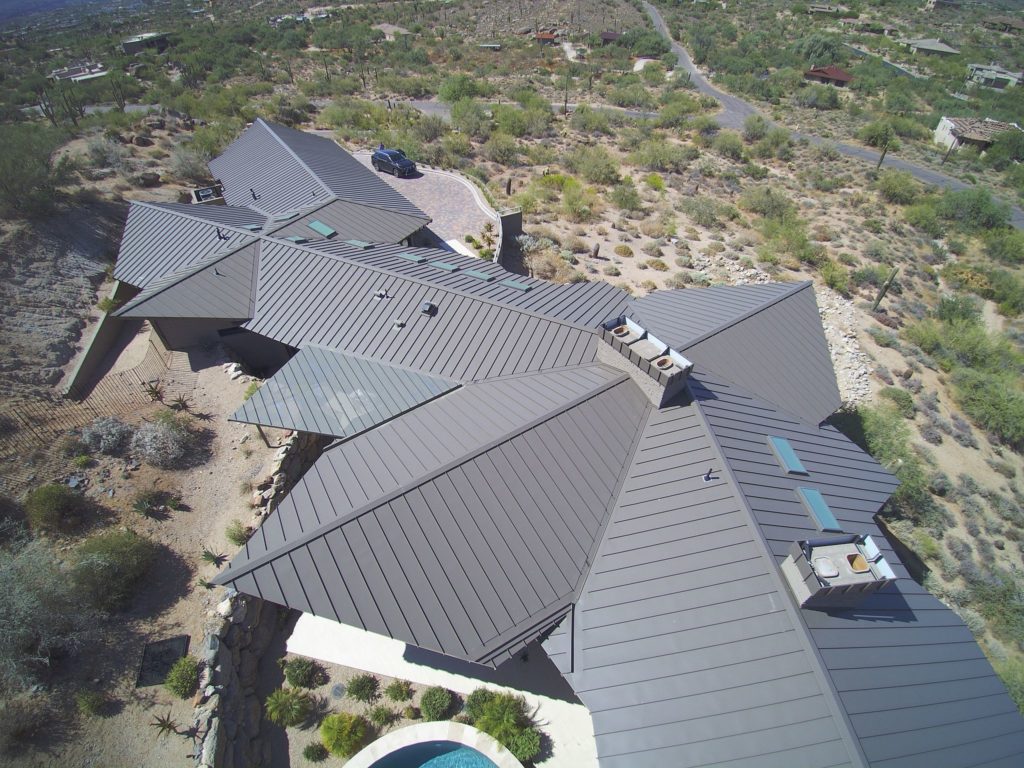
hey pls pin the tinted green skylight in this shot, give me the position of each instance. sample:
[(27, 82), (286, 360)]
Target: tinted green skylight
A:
[(517, 285), (479, 275), (321, 229), (815, 503), (786, 455)]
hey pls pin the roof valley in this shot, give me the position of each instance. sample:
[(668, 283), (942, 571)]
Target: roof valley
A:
[(838, 712)]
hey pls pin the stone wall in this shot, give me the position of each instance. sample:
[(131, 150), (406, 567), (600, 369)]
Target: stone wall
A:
[(229, 711)]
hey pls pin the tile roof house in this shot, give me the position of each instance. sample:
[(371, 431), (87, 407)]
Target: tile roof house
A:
[(646, 488), (830, 75), (956, 132)]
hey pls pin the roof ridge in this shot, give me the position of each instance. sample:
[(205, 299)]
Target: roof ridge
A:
[(297, 213), (156, 206), (742, 317), (846, 731), (228, 576), (293, 153), (210, 260), (310, 248)]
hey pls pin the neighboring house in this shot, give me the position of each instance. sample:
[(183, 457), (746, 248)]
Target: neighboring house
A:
[(930, 46), (608, 37), (645, 490), (830, 9), (546, 38), (830, 75), (869, 27), (956, 132), (78, 73), (993, 76), (1007, 24), (938, 5), (148, 40)]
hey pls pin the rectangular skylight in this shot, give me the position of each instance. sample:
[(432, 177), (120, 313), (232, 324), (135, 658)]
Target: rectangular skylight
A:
[(480, 275), (297, 239), (815, 503), (252, 227), (414, 258), (517, 285), (321, 229), (286, 216), (786, 455), (445, 266), (358, 244)]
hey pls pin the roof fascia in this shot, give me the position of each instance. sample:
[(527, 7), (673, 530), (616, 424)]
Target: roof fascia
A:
[(199, 219)]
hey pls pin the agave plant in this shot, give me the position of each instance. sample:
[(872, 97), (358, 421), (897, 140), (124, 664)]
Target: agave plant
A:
[(164, 724)]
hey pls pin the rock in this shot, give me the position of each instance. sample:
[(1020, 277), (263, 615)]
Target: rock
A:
[(146, 179), (999, 544), (142, 141), (225, 607), (154, 123), (96, 174)]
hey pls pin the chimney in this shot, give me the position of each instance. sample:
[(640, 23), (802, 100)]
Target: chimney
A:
[(836, 572), (667, 368)]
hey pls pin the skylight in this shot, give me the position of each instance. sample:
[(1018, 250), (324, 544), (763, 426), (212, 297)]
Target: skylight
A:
[(413, 257), (786, 455), (445, 266), (362, 244), (321, 229), (816, 504), (297, 239), (480, 275), (517, 285)]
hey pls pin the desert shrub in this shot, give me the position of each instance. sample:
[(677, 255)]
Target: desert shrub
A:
[(897, 187), (501, 148), (288, 707), (1006, 246), (504, 716), (657, 265), (625, 197), (594, 164), (382, 716), (55, 509), (237, 533), (108, 435), (958, 307), (767, 202), (755, 128), (836, 277), (183, 678), (364, 688), (623, 250), (304, 673), (109, 566), (41, 613), (661, 156), (315, 752), (924, 217), (994, 401), (728, 144), (612, 271), (588, 120), (90, 703), (152, 502), (344, 734), (998, 595), (188, 165), (1012, 673), (399, 690), (167, 442), (476, 701), (973, 209), (458, 87), (435, 703), (818, 97), (902, 399)]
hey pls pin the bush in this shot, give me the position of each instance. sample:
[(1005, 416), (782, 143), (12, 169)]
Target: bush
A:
[(399, 690), (767, 202), (594, 164), (304, 673), (288, 707), (1012, 673), (364, 688), (504, 717), (973, 209), (108, 435), (902, 399), (168, 442), (994, 402), (344, 734), (29, 175), (501, 148), (476, 701), (1006, 246), (836, 277), (108, 567), (90, 703), (625, 197), (623, 250), (237, 533), (728, 144), (183, 678), (755, 128), (382, 716), (55, 509), (924, 217), (435, 703), (897, 187), (315, 752)]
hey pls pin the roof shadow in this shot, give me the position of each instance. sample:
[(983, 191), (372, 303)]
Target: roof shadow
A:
[(529, 670), (888, 606)]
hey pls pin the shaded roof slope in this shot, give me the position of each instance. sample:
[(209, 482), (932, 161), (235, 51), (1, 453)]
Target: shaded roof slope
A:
[(289, 170), (163, 238), (220, 286), (478, 557), (330, 393), (766, 338), (680, 645), (351, 221), (308, 297)]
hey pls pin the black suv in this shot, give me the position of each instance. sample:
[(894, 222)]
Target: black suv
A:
[(393, 161)]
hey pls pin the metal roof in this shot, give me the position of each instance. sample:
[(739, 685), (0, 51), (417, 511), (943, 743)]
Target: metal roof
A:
[(680, 645), (220, 286), (163, 238), (307, 297), (767, 338), (352, 221), (478, 556), (330, 393), (290, 170)]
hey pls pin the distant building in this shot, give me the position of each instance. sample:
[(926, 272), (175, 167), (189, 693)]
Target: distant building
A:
[(993, 76), (930, 46), (546, 38), (608, 37), (867, 26), (79, 72), (938, 5), (830, 75), (1004, 24), (147, 40), (956, 132), (829, 9)]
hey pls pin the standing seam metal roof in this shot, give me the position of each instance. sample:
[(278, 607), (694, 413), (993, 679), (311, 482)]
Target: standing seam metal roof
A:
[(352, 221)]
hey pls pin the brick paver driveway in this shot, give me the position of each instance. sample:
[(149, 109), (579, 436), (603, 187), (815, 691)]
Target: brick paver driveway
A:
[(456, 207)]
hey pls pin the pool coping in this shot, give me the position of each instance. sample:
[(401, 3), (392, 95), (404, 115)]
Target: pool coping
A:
[(442, 730)]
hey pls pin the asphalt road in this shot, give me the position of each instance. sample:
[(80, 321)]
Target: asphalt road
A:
[(735, 111)]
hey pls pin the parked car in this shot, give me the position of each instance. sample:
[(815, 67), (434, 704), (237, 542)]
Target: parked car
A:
[(393, 161)]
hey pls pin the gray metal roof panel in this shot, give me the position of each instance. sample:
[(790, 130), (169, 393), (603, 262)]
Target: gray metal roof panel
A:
[(161, 239), (352, 221), (678, 645), (305, 297), (514, 533), (331, 393), (219, 286)]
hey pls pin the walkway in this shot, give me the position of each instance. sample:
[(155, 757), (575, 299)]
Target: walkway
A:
[(735, 111)]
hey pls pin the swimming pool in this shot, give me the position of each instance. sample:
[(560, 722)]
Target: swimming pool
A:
[(434, 754)]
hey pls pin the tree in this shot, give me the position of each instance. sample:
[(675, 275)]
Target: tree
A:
[(456, 88), (1007, 148), (818, 50), (897, 187), (973, 209)]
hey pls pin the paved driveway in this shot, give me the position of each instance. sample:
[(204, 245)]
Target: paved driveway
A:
[(455, 205)]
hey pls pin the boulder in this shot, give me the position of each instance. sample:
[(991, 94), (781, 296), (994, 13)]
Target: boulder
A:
[(146, 179)]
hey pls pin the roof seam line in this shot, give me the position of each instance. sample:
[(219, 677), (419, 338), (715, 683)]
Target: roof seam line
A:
[(198, 219), (228, 576), (844, 726), (292, 152), (747, 315)]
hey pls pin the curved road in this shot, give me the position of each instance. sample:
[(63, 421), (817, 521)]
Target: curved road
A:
[(735, 111)]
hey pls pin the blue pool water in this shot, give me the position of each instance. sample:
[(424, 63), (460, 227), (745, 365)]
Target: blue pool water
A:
[(434, 754)]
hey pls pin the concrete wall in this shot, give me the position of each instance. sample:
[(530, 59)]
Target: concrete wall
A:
[(95, 350), (181, 332), (510, 226)]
